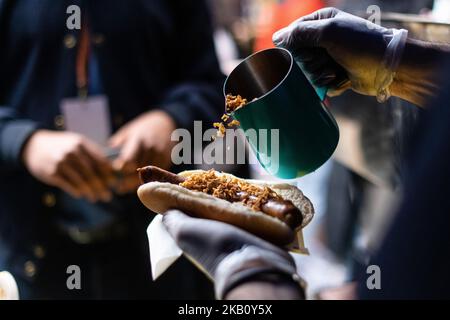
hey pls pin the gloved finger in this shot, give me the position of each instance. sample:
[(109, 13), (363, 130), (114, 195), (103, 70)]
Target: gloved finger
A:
[(320, 74), (304, 55), (192, 236), (315, 71), (328, 73), (200, 237), (324, 80), (331, 80), (187, 231), (321, 77), (320, 68), (335, 91), (332, 76), (306, 31), (306, 34), (175, 220), (312, 57), (304, 28), (340, 81), (325, 13)]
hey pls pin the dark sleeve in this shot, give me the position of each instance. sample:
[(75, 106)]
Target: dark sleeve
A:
[(14, 133), (415, 257), (196, 93)]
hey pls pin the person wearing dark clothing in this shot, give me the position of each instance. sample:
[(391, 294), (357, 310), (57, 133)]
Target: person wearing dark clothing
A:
[(415, 256), (63, 202)]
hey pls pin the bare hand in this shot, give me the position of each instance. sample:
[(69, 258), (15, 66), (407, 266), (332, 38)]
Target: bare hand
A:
[(70, 162), (144, 141)]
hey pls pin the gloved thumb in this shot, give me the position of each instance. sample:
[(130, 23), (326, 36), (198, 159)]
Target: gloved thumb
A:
[(174, 220), (188, 231)]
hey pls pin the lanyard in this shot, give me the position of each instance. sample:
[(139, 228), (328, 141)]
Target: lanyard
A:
[(82, 63)]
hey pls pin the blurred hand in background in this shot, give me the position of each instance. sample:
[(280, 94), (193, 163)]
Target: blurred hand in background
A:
[(143, 141), (70, 162)]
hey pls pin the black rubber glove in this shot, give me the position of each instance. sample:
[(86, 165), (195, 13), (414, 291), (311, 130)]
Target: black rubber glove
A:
[(337, 49), (228, 255)]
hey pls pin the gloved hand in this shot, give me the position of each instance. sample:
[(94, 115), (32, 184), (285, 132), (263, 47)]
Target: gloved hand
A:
[(227, 254), (337, 49)]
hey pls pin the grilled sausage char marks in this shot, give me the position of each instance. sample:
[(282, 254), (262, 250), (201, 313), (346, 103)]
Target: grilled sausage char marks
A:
[(283, 210)]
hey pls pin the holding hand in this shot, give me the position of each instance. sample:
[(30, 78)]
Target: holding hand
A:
[(342, 51), (144, 141), (229, 255), (337, 49), (70, 162)]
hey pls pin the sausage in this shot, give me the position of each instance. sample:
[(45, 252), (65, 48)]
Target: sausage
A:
[(155, 174), (283, 210)]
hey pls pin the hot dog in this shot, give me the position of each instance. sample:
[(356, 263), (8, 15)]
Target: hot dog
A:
[(272, 211), (281, 209)]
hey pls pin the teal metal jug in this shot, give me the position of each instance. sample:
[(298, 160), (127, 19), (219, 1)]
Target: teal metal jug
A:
[(282, 98)]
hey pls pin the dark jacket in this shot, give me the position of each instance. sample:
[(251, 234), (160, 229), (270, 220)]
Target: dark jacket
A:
[(414, 258), (151, 54)]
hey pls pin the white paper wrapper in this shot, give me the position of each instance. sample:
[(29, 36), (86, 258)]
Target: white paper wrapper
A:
[(8, 287), (164, 251), (299, 245)]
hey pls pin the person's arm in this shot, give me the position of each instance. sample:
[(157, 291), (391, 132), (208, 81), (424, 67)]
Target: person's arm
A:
[(196, 90), (265, 289), (414, 258), (417, 78), (14, 133), (344, 52), (60, 159)]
